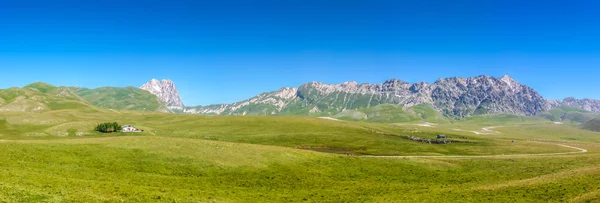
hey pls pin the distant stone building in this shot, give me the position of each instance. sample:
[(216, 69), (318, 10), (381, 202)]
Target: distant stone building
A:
[(129, 128)]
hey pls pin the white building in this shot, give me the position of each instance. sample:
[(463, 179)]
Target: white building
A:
[(129, 128)]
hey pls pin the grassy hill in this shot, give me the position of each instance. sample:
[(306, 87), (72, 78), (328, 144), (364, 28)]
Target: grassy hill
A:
[(501, 119), (41, 97), (569, 114), (127, 98), (593, 125), (389, 113)]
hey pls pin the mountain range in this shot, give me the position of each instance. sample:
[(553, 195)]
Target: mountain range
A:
[(391, 101), (453, 97)]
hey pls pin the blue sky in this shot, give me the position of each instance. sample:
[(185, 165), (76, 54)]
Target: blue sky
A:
[(226, 51)]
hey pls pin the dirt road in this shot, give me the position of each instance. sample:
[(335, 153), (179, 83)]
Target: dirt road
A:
[(581, 150)]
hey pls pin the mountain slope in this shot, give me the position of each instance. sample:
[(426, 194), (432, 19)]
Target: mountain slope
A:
[(389, 113), (593, 125), (41, 97), (263, 104), (584, 104), (455, 97), (569, 113), (166, 92), (485, 95), (127, 98)]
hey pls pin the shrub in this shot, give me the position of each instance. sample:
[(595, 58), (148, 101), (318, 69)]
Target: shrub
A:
[(108, 127)]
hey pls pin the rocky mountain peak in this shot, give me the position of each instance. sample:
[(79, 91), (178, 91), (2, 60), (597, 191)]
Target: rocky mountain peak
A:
[(507, 78), (350, 83), (394, 82), (166, 91)]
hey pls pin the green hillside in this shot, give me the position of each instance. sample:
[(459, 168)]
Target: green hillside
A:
[(41, 97), (389, 113), (593, 125), (499, 119), (569, 114), (127, 98)]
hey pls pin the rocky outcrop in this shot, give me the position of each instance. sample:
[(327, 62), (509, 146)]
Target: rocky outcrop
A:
[(166, 91), (455, 97), (463, 97)]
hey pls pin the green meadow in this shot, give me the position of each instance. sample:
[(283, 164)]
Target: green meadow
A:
[(54, 156)]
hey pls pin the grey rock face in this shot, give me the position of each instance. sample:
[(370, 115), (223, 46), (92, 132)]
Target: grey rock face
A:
[(166, 91), (585, 104), (463, 97), (455, 97)]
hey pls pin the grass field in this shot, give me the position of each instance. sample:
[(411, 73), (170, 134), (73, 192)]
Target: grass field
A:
[(53, 156)]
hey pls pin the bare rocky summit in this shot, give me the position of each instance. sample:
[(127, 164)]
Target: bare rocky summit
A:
[(166, 91), (485, 95)]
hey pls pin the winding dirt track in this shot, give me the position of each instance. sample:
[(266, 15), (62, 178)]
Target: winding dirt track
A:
[(581, 150)]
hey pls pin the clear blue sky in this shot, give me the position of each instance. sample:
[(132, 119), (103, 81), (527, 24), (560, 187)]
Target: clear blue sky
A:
[(226, 51)]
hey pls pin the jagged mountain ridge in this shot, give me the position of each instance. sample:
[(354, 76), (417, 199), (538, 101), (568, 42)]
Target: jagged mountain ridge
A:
[(585, 104), (450, 97), (455, 97), (166, 91)]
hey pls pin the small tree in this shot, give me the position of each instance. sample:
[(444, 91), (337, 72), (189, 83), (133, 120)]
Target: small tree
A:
[(108, 127)]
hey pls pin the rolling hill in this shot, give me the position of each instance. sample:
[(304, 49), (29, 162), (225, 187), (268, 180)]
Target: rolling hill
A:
[(127, 98), (593, 125), (41, 97), (569, 114)]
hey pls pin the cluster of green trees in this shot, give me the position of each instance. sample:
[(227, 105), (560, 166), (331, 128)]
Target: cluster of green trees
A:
[(108, 127)]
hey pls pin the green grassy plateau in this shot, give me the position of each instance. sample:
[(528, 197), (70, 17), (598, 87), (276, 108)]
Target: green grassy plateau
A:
[(53, 156)]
